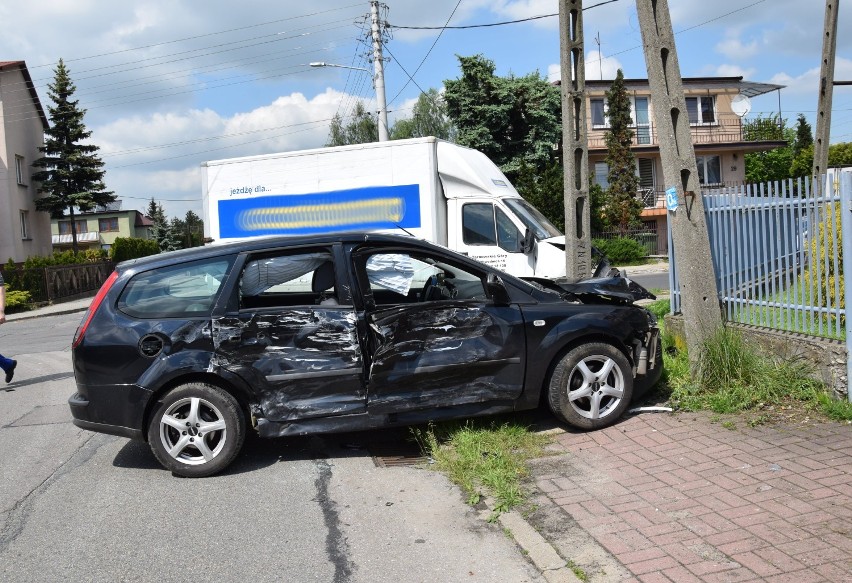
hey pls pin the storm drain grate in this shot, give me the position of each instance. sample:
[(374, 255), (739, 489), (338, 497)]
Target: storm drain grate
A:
[(396, 455)]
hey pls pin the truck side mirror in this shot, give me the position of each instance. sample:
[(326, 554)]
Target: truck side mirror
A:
[(528, 244), (497, 290)]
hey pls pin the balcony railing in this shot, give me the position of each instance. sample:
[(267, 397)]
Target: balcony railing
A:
[(725, 129)]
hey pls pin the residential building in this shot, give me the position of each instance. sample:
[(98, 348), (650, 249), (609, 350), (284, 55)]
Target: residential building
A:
[(24, 232), (717, 137), (100, 228)]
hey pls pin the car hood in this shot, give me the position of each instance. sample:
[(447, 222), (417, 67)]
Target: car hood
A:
[(612, 287)]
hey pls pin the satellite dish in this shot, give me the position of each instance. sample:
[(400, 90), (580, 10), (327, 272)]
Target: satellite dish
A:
[(741, 105)]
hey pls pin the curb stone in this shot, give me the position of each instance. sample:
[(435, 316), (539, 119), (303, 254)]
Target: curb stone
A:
[(542, 554)]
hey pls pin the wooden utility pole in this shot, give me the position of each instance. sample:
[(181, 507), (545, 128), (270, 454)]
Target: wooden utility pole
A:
[(699, 296), (575, 145), (826, 88)]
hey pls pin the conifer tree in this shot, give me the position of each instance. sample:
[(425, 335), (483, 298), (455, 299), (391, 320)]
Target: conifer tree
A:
[(162, 231), (72, 173), (804, 135), (622, 207)]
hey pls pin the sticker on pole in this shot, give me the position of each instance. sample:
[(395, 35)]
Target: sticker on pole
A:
[(671, 198)]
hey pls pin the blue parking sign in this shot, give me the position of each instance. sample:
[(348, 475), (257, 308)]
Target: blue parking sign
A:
[(671, 198)]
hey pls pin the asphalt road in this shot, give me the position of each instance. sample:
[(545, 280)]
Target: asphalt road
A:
[(80, 506), (651, 281)]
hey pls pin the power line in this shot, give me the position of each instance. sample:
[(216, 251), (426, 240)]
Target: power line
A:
[(490, 24), (411, 77), (217, 33)]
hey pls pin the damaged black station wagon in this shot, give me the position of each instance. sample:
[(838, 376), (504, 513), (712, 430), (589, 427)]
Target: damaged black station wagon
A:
[(290, 336)]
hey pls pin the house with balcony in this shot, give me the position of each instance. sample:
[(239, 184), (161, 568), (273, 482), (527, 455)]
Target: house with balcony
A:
[(24, 231), (717, 137), (100, 228)]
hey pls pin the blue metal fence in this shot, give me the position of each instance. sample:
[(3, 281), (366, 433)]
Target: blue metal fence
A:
[(776, 254)]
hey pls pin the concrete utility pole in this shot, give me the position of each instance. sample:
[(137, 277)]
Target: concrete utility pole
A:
[(699, 296), (826, 88), (379, 68), (575, 145)]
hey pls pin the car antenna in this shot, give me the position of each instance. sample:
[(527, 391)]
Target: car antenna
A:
[(404, 230)]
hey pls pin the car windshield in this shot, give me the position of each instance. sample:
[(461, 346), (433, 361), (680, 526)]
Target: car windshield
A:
[(532, 218)]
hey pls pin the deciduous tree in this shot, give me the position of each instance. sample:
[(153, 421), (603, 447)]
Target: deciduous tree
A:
[(361, 129), (770, 165), (428, 118), (512, 120)]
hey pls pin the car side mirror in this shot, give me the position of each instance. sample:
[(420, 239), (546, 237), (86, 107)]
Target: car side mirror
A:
[(528, 244), (497, 290)]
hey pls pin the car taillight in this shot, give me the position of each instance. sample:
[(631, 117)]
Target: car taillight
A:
[(93, 307)]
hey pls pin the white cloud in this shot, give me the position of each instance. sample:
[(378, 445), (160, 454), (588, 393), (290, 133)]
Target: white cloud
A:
[(159, 154), (726, 70), (596, 68), (807, 83), (733, 48)]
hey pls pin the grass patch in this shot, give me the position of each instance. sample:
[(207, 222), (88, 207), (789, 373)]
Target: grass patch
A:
[(578, 571), (483, 457), (787, 309), (733, 377), (659, 308)]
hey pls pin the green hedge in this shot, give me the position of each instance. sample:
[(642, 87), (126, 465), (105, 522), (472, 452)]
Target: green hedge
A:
[(17, 301), (621, 250), (125, 248)]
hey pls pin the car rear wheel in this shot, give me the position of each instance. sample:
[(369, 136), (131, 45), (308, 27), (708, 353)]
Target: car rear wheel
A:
[(591, 386), (197, 430)]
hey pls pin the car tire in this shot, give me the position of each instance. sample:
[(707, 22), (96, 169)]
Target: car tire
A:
[(591, 386), (196, 430)]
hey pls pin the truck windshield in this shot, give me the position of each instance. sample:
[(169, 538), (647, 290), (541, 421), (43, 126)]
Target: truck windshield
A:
[(532, 218)]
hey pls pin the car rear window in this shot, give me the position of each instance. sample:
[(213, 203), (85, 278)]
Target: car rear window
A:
[(182, 290)]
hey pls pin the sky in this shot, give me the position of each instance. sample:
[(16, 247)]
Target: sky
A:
[(169, 85)]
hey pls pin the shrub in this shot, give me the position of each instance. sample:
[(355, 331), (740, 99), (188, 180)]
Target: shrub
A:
[(621, 250), (17, 301), (125, 248), (817, 281)]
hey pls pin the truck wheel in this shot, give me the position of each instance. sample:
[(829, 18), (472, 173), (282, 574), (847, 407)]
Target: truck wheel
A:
[(197, 430), (591, 386)]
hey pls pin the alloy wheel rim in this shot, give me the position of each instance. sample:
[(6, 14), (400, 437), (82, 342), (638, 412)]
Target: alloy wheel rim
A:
[(193, 431), (595, 387)]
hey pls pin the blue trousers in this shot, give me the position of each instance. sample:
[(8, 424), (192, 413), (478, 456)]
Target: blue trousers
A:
[(5, 363)]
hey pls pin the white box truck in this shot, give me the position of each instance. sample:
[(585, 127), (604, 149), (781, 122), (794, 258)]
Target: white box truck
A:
[(430, 188)]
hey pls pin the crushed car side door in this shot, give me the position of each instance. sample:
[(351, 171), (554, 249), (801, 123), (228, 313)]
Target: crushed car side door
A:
[(435, 337)]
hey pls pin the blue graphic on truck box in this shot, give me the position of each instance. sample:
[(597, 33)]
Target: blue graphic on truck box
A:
[(377, 207)]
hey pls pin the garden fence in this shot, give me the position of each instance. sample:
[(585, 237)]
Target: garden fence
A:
[(778, 252)]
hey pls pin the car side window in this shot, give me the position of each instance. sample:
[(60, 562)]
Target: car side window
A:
[(183, 290), (397, 278), (292, 279)]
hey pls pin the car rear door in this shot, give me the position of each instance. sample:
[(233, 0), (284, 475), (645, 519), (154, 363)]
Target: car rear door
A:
[(294, 338), (434, 337)]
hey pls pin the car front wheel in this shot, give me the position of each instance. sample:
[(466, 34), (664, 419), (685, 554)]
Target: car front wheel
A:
[(591, 386), (197, 430)]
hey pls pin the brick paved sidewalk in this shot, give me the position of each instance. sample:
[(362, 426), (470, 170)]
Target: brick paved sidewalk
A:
[(679, 498)]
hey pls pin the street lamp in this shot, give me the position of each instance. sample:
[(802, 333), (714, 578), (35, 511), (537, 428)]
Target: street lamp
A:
[(379, 83)]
